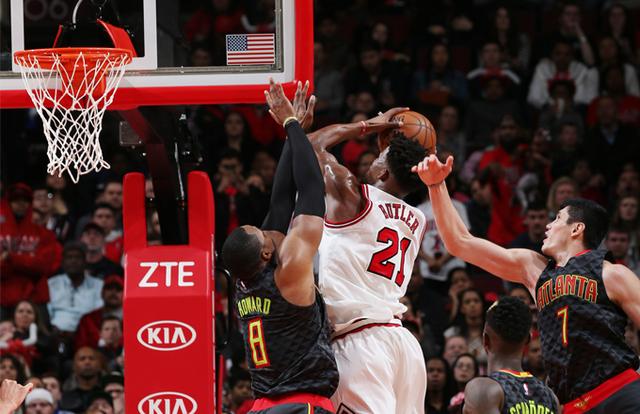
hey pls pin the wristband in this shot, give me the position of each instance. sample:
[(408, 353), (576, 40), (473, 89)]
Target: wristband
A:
[(289, 119), (363, 128)]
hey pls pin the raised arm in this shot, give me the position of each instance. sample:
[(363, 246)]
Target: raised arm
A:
[(294, 274), (517, 265), (623, 288), (483, 396)]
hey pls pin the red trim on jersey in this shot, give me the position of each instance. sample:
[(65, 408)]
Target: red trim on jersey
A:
[(363, 327), (593, 398), (582, 252), (367, 208), (296, 398), (519, 374)]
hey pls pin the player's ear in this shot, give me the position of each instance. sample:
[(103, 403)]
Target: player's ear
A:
[(383, 175), (577, 228)]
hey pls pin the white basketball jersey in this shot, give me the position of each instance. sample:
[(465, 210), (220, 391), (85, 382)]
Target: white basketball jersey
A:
[(366, 262)]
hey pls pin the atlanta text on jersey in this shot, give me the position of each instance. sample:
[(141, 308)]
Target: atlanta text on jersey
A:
[(563, 285)]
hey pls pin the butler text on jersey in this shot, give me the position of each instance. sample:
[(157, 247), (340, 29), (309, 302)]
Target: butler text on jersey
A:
[(399, 211)]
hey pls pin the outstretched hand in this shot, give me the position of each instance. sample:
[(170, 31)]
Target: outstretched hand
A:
[(12, 395), (280, 108), (383, 121), (431, 171)]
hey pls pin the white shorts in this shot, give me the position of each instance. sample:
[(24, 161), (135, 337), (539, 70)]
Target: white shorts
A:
[(382, 371)]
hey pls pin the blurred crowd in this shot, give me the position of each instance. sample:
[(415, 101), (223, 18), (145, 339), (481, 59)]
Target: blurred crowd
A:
[(538, 101)]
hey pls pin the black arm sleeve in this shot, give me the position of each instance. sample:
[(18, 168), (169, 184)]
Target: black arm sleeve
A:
[(283, 194), (306, 173)]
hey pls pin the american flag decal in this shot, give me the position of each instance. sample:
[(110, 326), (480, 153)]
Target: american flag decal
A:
[(251, 49)]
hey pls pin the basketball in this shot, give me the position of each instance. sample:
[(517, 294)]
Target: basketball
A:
[(415, 126)]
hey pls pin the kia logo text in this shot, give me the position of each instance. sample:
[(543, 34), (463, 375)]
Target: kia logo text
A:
[(166, 335), (167, 402)]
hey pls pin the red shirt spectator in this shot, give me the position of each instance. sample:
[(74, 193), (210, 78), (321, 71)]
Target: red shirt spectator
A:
[(88, 332), (29, 253)]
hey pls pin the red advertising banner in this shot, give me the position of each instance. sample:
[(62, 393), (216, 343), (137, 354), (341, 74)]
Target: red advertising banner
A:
[(168, 308)]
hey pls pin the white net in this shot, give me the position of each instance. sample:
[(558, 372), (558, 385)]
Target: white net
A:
[(71, 92)]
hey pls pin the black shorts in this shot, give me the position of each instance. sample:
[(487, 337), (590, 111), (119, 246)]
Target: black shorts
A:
[(294, 408), (617, 395), (624, 401)]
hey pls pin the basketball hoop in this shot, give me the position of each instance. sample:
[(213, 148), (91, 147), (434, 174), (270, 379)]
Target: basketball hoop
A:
[(71, 88)]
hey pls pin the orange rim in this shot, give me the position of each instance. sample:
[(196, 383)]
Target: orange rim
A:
[(66, 54)]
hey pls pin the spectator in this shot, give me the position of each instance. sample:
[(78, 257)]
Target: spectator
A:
[(353, 148), (536, 220), (52, 384), (435, 261), (533, 359), (567, 150), (617, 242), (465, 368), (454, 346), (570, 32), (88, 333), (609, 55), (364, 162), (110, 342), (440, 389), (610, 144), (98, 266), (613, 85), (478, 208), (32, 339), (459, 280), (618, 25), (450, 137), (628, 182), (491, 57), (237, 136), (440, 83), (236, 202), (560, 191), (200, 55), (29, 253), (486, 114), (100, 402), (114, 386), (45, 215), (112, 195), (590, 185), (469, 322), (12, 369), (561, 66), (240, 388), (73, 292), (515, 45), (626, 217), (383, 80), (562, 109), (104, 215), (84, 381), (329, 87), (39, 401), (379, 34)]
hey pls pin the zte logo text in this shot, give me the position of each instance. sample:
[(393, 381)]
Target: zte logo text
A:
[(171, 277)]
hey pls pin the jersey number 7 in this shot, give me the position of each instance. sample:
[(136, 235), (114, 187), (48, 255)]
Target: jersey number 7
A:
[(380, 264)]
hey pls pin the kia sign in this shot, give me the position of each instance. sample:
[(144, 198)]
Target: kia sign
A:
[(166, 335), (167, 402)]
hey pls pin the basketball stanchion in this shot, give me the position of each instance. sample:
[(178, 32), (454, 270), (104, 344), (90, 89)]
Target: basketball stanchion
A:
[(168, 312)]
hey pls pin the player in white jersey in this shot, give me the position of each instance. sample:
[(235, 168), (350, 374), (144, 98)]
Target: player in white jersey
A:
[(370, 242)]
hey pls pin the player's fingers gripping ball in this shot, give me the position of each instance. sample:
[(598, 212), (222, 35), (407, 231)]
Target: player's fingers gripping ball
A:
[(415, 126)]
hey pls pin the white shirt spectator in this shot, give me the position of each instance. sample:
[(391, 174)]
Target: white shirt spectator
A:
[(586, 83), (630, 79), (432, 244), (68, 304)]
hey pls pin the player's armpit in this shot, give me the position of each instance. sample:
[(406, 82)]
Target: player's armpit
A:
[(294, 274), (483, 396), (623, 288)]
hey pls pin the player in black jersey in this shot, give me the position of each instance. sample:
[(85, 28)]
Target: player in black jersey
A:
[(508, 390), (583, 300), (282, 316)]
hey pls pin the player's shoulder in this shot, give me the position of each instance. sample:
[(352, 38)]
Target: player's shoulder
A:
[(483, 394)]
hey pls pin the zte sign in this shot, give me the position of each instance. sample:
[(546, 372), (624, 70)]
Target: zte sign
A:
[(168, 402), (166, 335), (167, 274)]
